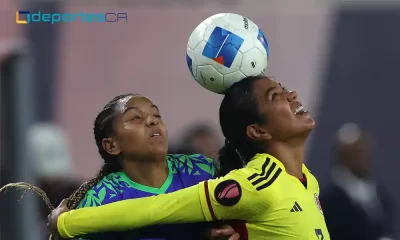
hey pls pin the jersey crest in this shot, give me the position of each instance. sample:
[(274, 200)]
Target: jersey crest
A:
[(318, 203), (228, 193)]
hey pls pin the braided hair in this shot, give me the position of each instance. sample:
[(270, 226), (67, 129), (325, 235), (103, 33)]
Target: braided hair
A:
[(102, 129), (238, 110)]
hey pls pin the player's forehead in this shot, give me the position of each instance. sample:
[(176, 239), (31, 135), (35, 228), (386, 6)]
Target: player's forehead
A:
[(264, 85), (134, 101)]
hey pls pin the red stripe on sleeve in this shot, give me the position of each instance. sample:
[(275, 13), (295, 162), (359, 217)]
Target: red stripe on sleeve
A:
[(240, 227), (210, 208)]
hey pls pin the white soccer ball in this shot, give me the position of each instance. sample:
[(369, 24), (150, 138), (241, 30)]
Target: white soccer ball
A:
[(224, 49)]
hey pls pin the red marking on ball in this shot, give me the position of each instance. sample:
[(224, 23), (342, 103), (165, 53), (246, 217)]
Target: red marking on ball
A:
[(219, 60)]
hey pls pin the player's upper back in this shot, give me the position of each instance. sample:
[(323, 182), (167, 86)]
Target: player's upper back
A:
[(275, 204)]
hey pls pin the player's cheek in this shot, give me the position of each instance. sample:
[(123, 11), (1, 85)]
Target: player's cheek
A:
[(283, 119), (136, 136), (163, 127), (284, 112)]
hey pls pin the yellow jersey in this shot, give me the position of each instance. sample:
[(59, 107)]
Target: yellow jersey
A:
[(273, 204)]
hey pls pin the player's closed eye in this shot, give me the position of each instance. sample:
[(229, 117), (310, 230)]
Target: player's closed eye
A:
[(135, 117), (284, 90)]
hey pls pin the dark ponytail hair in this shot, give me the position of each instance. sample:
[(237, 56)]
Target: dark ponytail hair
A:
[(229, 158), (237, 111)]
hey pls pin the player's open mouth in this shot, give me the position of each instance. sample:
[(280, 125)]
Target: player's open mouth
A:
[(156, 135), (300, 110)]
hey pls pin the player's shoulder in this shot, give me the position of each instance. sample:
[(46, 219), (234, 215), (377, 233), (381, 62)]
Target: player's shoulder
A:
[(107, 187), (264, 171), (183, 158), (262, 175), (196, 164)]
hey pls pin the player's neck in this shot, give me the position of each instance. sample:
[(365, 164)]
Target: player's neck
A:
[(148, 173), (291, 156)]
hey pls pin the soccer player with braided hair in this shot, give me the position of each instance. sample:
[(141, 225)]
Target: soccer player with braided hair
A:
[(265, 182), (133, 142)]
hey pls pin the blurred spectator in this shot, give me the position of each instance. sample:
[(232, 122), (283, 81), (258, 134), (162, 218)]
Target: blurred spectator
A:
[(200, 138), (51, 152), (355, 206)]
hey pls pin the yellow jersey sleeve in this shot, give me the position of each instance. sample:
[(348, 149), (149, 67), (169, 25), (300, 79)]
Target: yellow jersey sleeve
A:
[(178, 207), (231, 197)]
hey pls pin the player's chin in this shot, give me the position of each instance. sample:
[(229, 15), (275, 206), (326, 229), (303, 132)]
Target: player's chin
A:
[(159, 149), (308, 126), (305, 125), (310, 123), (306, 119)]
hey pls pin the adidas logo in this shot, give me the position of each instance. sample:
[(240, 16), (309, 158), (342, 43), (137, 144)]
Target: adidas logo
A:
[(296, 208)]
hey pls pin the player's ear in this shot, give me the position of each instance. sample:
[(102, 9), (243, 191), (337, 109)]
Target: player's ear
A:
[(257, 133), (110, 146)]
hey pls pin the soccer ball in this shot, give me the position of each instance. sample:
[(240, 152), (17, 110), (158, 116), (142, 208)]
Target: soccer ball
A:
[(224, 49)]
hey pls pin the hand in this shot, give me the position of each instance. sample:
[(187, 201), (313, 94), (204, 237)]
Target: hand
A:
[(53, 217), (224, 232)]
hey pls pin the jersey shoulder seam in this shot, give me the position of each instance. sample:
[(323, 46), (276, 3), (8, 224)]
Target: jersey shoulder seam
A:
[(269, 174)]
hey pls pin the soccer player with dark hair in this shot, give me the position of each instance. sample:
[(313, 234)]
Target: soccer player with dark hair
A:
[(133, 141), (265, 182)]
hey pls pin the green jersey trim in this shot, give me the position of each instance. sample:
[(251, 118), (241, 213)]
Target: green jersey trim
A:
[(148, 189)]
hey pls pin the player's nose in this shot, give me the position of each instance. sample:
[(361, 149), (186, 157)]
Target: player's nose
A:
[(152, 120), (292, 95)]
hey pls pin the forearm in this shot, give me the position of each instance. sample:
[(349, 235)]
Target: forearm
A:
[(179, 207)]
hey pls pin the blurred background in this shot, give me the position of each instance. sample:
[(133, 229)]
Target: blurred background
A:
[(341, 56)]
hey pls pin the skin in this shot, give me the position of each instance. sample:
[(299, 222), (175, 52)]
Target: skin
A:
[(141, 152), (282, 135)]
